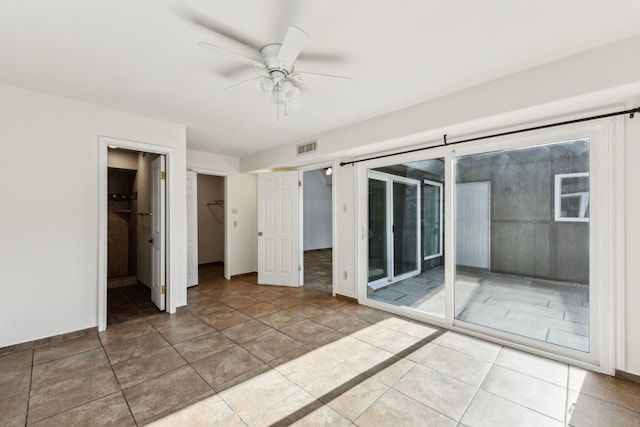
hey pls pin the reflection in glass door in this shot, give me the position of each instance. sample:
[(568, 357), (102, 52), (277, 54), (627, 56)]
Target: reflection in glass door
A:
[(405, 259)]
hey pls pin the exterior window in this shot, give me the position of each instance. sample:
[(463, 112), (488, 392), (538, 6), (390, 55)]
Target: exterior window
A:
[(572, 197)]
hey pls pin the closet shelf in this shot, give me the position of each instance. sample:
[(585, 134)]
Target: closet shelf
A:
[(122, 211)]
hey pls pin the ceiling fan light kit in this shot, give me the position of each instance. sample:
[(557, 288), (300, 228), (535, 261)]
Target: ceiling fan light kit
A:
[(278, 67)]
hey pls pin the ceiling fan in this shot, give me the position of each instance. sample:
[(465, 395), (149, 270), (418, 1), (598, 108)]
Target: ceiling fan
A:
[(277, 64)]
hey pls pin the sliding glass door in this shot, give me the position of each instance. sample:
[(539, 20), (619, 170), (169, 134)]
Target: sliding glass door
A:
[(510, 241)]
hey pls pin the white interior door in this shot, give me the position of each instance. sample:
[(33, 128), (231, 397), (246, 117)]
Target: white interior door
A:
[(158, 200), (473, 224), (278, 228), (192, 228)]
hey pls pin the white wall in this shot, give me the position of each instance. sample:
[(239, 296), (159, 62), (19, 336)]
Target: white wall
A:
[(210, 219), (317, 211), (49, 216), (241, 197), (600, 78)]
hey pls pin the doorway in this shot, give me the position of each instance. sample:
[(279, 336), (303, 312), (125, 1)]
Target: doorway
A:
[(133, 192), (211, 219), (318, 229), (135, 242)]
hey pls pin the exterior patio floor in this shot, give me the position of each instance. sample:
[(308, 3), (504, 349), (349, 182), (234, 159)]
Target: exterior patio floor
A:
[(545, 311)]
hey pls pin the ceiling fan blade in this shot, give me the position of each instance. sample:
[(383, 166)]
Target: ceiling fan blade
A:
[(300, 76), (252, 79), (202, 20), (292, 45), (217, 49), (336, 58)]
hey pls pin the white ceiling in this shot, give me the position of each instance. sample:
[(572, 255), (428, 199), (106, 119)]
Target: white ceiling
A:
[(141, 56)]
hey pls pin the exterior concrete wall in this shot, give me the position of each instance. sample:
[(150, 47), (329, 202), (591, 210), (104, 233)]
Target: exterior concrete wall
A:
[(525, 239)]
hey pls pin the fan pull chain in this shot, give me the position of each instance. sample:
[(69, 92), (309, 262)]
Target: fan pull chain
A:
[(278, 103)]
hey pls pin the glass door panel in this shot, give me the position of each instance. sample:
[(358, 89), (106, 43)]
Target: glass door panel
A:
[(405, 229), (377, 230), (413, 198), (522, 250)]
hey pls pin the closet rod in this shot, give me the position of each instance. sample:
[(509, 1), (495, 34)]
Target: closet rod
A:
[(445, 143)]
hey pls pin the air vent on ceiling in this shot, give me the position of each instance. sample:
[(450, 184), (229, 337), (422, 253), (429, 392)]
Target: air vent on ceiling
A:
[(306, 148)]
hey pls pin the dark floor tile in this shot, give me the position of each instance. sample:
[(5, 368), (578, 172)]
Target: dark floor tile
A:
[(110, 410), (164, 320), (61, 396), (16, 361), (13, 410), (246, 331), (223, 367), (306, 309), (311, 333), (14, 382), (203, 346), (177, 334), (281, 318), (125, 350), (65, 348), (154, 397), (260, 309), (226, 319), (271, 345), (68, 367), (143, 368), (240, 301), (124, 332)]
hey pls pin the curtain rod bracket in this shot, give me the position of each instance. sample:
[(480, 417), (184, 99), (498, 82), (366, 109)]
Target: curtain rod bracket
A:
[(633, 112), (444, 137)]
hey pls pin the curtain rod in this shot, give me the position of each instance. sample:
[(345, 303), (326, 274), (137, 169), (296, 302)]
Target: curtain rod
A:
[(445, 143)]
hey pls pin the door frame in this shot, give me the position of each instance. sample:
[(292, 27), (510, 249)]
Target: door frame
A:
[(334, 203), (104, 142), (227, 215)]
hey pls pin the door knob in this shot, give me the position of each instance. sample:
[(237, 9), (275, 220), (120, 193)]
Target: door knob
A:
[(260, 233)]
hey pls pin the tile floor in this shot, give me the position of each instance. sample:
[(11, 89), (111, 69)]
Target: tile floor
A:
[(318, 271), (243, 354), (551, 312)]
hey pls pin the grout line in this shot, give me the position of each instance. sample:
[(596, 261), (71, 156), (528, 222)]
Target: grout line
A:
[(26, 415)]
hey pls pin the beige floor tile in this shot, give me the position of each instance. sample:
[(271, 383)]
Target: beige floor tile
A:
[(409, 327), (110, 410), (387, 339), (65, 348), (68, 367), (604, 387), (61, 396), (203, 346), (587, 411), (289, 407), (457, 365), (125, 350), (352, 403), (246, 331), (309, 367), (488, 410), (473, 346), (396, 409), (438, 391), (155, 397), (143, 368), (258, 394), (323, 416), (538, 395), (391, 374), (534, 366), (211, 411), (345, 348)]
